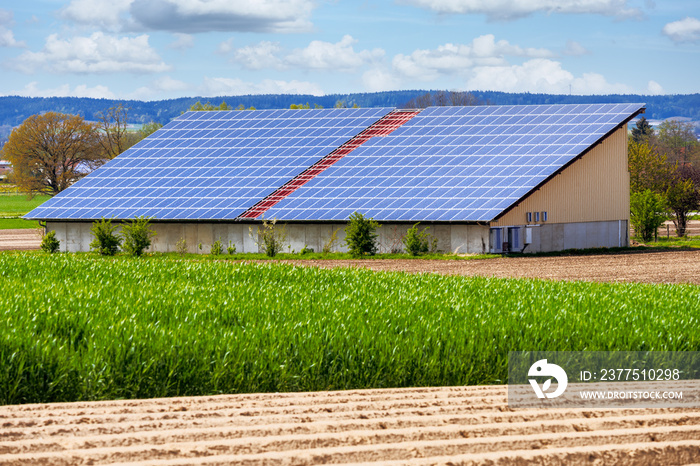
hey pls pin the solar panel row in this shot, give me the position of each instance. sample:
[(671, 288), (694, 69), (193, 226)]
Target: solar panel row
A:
[(209, 165), (454, 163), (445, 164)]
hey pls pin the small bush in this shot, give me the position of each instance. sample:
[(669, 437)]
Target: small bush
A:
[(106, 242), (332, 242), (137, 236), (217, 247), (270, 238), (306, 250), (417, 242), (360, 235), (49, 243), (181, 246), (231, 248), (648, 213)]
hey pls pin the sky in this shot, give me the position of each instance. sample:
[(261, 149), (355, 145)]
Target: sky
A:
[(161, 49)]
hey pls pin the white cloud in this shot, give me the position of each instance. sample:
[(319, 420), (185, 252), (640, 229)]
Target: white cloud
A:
[(428, 65), (380, 79), (98, 53), (158, 87), (82, 90), (104, 14), (213, 87), (685, 30), (318, 55), (575, 49), (225, 47), (182, 42), (513, 9), (655, 88), (193, 16), (487, 64), (255, 57), (540, 75), (168, 84), (340, 56), (7, 37)]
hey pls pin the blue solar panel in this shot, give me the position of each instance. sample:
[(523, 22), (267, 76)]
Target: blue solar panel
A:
[(458, 163), (209, 165)]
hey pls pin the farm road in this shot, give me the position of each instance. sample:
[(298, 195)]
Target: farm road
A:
[(681, 266)]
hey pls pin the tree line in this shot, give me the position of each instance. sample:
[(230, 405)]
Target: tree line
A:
[(664, 167), (14, 110)]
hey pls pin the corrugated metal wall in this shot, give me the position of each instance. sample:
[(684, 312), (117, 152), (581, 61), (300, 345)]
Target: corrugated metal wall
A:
[(594, 188)]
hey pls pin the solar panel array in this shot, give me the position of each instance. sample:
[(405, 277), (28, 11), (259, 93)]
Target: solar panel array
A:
[(209, 165), (445, 164), (454, 163)]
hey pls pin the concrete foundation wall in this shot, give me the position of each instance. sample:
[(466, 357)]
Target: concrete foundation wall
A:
[(463, 239), (455, 238), (560, 236)]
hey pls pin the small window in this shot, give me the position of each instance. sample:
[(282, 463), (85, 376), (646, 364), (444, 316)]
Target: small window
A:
[(537, 216), (544, 216), (528, 216)]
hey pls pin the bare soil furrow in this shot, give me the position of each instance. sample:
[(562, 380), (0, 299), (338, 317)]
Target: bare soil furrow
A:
[(25, 427), (272, 400), (260, 440), (392, 445), (404, 425), (667, 453)]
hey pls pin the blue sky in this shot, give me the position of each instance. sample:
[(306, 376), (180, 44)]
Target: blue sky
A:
[(157, 49)]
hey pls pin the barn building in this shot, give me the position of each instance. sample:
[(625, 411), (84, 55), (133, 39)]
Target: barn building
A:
[(483, 179)]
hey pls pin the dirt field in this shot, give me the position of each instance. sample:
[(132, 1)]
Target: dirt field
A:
[(459, 425), (19, 239), (649, 267)]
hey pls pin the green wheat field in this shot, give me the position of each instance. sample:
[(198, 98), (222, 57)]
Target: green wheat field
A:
[(81, 327)]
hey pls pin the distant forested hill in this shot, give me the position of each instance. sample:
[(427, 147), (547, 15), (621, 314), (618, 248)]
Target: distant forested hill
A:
[(14, 110)]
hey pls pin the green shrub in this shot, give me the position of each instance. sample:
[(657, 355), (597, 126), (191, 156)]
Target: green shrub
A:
[(648, 212), (106, 241), (181, 246), (270, 238), (417, 242), (217, 248), (231, 248), (332, 242), (137, 236), (49, 243), (360, 235)]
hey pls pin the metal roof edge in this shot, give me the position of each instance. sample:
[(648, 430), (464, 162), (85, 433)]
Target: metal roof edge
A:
[(279, 220)]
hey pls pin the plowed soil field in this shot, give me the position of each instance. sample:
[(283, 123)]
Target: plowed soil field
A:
[(453, 425), (679, 266), (20, 240)]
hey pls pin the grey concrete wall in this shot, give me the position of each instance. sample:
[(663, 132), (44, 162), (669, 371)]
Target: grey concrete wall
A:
[(464, 239), (455, 238), (559, 236)]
